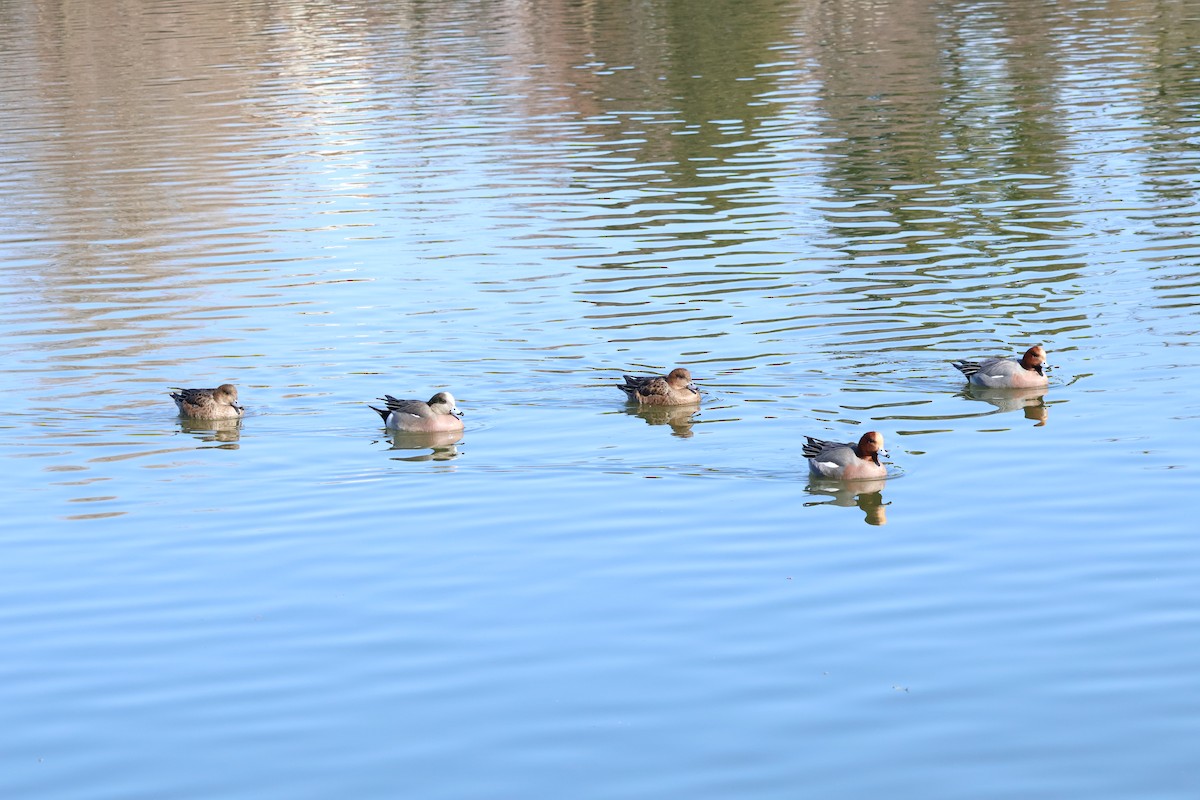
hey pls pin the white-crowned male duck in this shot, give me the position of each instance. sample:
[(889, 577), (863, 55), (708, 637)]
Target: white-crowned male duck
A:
[(417, 416)]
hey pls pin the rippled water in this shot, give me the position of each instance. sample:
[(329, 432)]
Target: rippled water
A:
[(814, 206)]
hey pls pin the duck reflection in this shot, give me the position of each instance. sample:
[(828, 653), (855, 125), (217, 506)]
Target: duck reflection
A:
[(680, 418), (1031, 401), (867, 495), (226, 432), (439, 445)]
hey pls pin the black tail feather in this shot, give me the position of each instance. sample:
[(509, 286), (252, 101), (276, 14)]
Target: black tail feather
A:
[(967, 368), (812, 446)]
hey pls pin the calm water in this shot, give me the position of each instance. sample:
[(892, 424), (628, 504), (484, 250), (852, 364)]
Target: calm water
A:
[(814, 206)]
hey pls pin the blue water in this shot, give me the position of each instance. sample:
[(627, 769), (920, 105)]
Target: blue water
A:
[(814, 208)]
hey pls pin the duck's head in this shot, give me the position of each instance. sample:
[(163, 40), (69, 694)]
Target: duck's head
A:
[(1034, 359), (443, 403), (871, 446), (680, 378)]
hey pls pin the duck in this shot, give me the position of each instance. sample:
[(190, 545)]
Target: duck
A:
[(673, 389), (218, 403), (1007, 373), (417, 416), (846, 460)]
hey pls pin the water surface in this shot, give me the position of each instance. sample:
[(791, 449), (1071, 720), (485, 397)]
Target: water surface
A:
[(813, 206)]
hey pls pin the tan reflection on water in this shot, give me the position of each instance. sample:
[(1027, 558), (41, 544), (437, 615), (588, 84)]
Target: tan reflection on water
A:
[(865, 495), (225, 432), (681, 419), (437, 446), (1030, 401)]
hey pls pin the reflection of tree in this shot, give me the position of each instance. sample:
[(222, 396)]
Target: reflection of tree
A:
[(1173, 149), (925, 106), (714, 79), (945, 150), (183, 135), (138, 162), (666, 113), (667, 84), (882, 81)]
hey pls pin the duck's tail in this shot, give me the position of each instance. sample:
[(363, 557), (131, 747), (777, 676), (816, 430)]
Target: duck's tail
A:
[(629, 387), (967, 368), (813, 447), (382, 412)]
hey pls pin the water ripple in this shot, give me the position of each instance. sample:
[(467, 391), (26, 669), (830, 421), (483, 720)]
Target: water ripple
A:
[(815, 207)]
